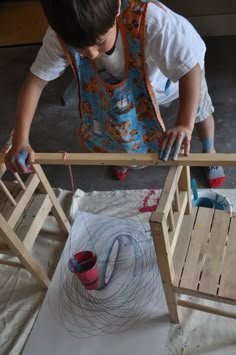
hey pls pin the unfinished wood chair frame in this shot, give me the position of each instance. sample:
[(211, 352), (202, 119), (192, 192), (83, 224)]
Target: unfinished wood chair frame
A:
[(194, 248), (144, 159), (173, 225), (24, 207)]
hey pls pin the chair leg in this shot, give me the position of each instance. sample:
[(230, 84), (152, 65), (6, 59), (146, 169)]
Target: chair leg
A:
[(16, 245), (171, 299), (56, 208), (164, 261)]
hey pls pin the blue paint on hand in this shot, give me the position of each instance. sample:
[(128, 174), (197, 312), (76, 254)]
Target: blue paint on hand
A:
[(176, 151), (161, 153), (22, 157), (166, 154)]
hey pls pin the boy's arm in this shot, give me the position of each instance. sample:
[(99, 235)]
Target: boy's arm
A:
[(26, 105), (180, 135)]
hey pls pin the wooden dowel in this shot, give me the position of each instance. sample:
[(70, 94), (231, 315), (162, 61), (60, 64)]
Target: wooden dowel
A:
[(177, 203), (8, 144), (171, 219), (7, 193), (194, 159), (20, 181), (207, 309)]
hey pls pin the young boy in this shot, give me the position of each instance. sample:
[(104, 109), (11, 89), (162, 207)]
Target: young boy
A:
[(128, 56)]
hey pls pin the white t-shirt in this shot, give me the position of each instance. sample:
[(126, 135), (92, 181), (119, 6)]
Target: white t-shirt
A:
[(172, 49)]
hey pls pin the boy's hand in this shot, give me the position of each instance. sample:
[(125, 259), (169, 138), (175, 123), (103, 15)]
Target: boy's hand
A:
[(19, 158), (174, 140)]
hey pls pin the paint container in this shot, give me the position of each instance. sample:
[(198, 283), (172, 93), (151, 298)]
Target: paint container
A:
[(84, 265), (212, 199), (204, 202)]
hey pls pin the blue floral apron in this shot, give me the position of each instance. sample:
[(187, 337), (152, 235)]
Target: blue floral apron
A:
[(120, 117)]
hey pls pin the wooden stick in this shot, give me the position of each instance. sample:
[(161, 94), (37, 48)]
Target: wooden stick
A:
[(16, 245), (176, 199), (207, 309), (7, 193), (17, 176), (145, 159)]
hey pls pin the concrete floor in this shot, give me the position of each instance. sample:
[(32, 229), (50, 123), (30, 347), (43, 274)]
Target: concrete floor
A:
[(55, 125)]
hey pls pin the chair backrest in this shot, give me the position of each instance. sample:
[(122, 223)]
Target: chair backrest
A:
[(175, 201), (24, 206)]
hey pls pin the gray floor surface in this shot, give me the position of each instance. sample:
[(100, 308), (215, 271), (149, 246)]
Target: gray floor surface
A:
[(55, 125)]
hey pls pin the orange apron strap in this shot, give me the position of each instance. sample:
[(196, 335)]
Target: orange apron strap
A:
[(149, 86), (68, 56)]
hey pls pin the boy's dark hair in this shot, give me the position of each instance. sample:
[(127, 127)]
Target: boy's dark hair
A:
[(80, 22)]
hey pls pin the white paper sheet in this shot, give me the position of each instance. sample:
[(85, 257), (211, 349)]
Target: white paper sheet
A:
[(127, 316)]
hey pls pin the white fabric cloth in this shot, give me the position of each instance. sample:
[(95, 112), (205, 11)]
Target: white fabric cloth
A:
[(172, 48), (21, 298)]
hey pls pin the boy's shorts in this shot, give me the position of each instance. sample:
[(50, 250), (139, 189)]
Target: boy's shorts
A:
[(205, 107)]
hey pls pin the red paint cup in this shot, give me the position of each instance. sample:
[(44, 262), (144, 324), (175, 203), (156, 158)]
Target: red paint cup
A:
[(88, 274)]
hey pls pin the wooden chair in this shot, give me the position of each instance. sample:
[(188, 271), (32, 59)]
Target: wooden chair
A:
[(195, 248), (24, 206)]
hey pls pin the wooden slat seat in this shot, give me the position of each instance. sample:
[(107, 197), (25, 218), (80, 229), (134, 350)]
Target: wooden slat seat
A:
[(209, 259), (227, 287), (196, 251)]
